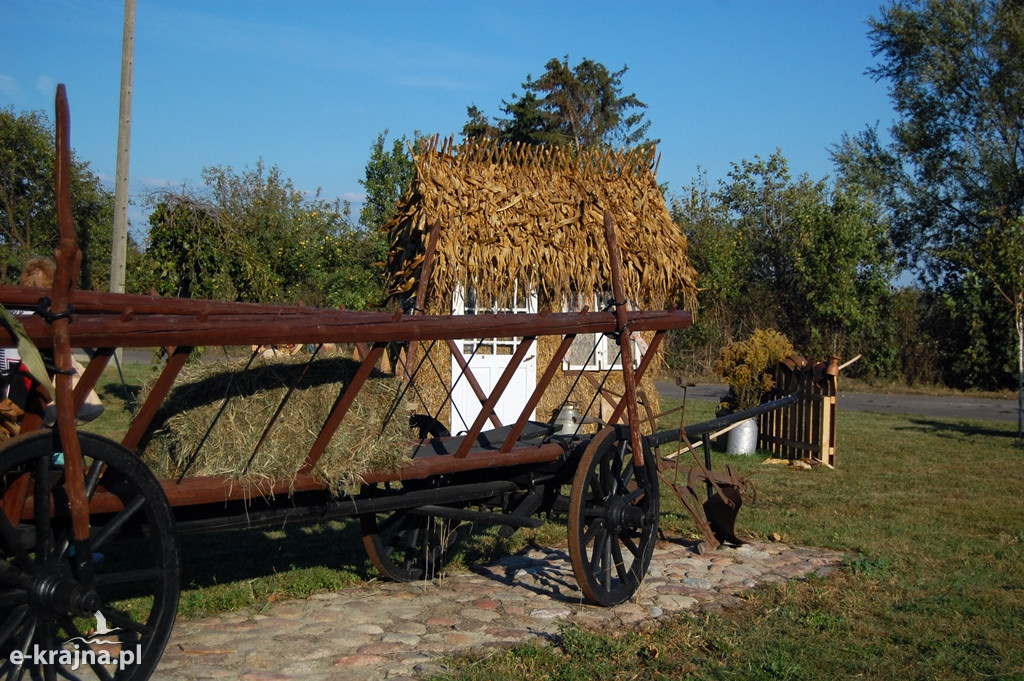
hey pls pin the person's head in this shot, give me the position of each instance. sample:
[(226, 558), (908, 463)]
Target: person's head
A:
[(38, 272)]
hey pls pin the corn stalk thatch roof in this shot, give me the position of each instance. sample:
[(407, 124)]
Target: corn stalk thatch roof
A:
[(535, 216)]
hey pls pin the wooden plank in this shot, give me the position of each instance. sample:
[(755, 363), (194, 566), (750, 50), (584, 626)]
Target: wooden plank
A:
[(204, 490), (474, 384), (341, 407), (538, 392), (797, 446), (334, 326), (144, 417)]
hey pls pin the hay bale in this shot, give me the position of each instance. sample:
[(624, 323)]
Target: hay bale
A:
[(239, 404)]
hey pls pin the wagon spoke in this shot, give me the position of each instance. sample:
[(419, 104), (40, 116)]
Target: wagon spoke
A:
[(48, 641), (592, 532), (606, 562), (70, 627), (620, 564), (597, 555), (117, 522), (11, 576), (634, 496), (65, 674), (27, 636), (13, 597), (93, 477), (12, 546), (14, 621), (392, 519), (625, 475), (128, 576), (628, 543), (124, 621)]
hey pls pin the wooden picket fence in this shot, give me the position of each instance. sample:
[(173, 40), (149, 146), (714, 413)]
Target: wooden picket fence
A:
[(805, 429)]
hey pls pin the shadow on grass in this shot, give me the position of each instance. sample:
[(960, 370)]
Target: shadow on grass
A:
[(210, 558), (949, 428), (218, 557), (127, 393)]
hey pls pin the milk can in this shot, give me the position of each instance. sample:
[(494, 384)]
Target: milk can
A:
[(568, 420)]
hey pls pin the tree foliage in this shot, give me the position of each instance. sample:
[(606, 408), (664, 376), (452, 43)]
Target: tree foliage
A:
[(956, 71), (954, 170), (388, 176), (254, 237), (580, 105), (796, 255), (28, 211)]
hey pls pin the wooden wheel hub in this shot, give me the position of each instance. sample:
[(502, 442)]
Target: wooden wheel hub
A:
[(55, 591)]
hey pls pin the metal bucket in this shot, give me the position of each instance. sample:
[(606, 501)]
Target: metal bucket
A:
[(568, 420), (743, 438)]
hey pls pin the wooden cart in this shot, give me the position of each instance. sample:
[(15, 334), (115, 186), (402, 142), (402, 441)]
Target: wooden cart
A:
[(89, 534)]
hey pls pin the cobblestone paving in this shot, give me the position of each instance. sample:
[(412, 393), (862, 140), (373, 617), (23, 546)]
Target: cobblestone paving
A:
[(401, 631)]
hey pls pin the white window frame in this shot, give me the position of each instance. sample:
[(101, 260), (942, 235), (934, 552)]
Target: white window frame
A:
[(465, 302)]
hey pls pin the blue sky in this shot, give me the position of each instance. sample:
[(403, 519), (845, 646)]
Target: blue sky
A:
[(308, 86)]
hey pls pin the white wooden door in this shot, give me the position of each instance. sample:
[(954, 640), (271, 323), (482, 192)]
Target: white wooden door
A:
[(487, 359)]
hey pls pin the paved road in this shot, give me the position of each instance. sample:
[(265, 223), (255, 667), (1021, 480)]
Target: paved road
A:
[(944, 406)]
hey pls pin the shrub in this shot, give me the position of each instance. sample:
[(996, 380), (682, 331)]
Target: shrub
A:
[(747, 366)]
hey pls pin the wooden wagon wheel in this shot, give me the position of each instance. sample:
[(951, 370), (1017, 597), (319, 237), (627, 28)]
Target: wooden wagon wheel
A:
[(409, 546), (613, 518), (47, 602)]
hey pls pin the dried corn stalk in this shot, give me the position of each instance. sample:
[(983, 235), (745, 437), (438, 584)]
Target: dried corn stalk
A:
[(534, 216)]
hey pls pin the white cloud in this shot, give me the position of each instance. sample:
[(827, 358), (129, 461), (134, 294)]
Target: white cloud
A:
[(45, 86), (9, 86)]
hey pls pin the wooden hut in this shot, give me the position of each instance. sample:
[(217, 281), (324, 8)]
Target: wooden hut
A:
[(521, 229)]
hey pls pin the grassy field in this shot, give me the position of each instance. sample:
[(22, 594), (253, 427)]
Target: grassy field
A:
[(929, 512), (931, 516)]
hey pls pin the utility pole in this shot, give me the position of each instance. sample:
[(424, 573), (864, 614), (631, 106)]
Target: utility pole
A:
[(119, 245)]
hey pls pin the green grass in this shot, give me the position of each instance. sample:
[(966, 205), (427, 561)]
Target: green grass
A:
[(928, 511), (930, 515)]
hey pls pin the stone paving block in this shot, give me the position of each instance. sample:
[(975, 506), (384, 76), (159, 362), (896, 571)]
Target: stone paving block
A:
[(384, 631)]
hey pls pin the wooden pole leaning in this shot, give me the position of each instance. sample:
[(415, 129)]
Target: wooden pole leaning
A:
[(622, 331), (69, 261)]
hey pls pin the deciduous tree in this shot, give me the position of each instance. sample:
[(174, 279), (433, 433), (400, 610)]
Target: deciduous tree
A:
[(28, 220), (954, 170), (797, 255), (388, 175), (254, 237)]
